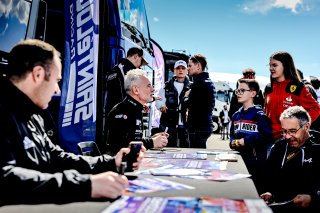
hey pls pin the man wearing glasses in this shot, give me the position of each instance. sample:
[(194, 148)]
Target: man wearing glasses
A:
[(258, 99), (293, 165)]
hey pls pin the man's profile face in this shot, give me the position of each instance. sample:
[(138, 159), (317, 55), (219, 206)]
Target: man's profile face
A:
[(50, 86), (294, 134), (145, 90)]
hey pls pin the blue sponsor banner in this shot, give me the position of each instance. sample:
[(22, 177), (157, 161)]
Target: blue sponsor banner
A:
[(77, 117)]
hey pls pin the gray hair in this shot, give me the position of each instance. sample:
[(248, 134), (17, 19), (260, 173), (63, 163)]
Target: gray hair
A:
[(133, 77), (297, 112)]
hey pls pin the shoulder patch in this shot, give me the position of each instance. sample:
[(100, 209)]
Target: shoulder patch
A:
[(294, 88)]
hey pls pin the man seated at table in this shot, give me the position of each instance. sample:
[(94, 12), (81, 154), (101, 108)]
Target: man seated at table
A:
[(33, 169), (293, 164), (125, 123)]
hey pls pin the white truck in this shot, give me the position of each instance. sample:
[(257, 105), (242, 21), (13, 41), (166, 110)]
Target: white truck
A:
[(223, 93)]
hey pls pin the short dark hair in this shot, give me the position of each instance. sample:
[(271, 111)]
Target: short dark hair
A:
[(30, 53), (198, 58), (252, 84), (135, 50)]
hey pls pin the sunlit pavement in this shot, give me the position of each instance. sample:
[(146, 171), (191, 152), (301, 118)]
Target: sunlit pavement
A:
[(215, 142)]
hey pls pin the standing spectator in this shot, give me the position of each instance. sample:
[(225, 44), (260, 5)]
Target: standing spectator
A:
[(224, 120), (33, 169), (124, 122), (250, 131), (258, 99), (293, 165), (308, 85), (115, 79), (173, 113), (200, 102), (315, 82), (286, 90)]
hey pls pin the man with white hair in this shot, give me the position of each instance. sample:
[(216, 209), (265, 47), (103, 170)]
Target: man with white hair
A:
[(293, 164), (124, 122)]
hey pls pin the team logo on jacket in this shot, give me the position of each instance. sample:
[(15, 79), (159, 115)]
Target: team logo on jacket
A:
[(246, 125), (121, 116), (293, 88)]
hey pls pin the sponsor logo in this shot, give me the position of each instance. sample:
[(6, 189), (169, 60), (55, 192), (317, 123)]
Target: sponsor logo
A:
[(293, 88), (307, 160)]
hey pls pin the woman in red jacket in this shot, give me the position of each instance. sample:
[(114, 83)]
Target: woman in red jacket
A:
[(286, 90)]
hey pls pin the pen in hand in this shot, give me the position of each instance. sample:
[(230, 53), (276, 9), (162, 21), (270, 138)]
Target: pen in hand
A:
[(123, 165)]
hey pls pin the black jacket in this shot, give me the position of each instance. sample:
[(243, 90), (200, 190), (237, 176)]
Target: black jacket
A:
[(171, 117), (115, 83), (200, 103), (299, 175), (125, 124), (33, 169)]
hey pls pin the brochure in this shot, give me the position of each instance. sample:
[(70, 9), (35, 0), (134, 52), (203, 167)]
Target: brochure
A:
[(208, 152), (227, 157), (144, 185), (186, 204), (176, 156), (151, 163), (200, 174)]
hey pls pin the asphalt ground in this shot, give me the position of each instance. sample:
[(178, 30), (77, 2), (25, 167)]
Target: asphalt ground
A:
[(215, 142)]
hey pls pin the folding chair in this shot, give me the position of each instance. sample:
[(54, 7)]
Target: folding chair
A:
[(88, 148)]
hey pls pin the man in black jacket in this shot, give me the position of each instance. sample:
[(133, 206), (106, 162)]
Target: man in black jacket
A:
[(115, 79), (171, 106), (124, 122), (293, 164), (200, 102), (33, 169)]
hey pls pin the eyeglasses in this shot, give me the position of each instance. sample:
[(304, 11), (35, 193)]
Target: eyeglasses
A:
[(291, 132), (241, 91)]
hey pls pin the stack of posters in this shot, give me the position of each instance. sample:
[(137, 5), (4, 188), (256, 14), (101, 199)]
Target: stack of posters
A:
[(145, 185), (176, 156), (186, 204)]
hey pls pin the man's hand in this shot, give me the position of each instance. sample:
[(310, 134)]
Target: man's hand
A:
[(267, 197), (160, 140), (302, 200), (163, 109), (108, 185), (125, 151)]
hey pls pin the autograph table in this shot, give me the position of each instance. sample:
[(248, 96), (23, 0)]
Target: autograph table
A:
[(234, 189)]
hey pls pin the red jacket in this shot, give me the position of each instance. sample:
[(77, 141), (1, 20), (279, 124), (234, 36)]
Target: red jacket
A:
[(284, 95)]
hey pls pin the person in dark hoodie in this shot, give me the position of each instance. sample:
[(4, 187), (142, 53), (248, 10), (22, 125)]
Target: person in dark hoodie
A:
[(115, 79), (200, 102), (292, 172), (250, 131)]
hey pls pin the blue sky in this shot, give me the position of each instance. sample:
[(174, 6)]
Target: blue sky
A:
[(237, 34)]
